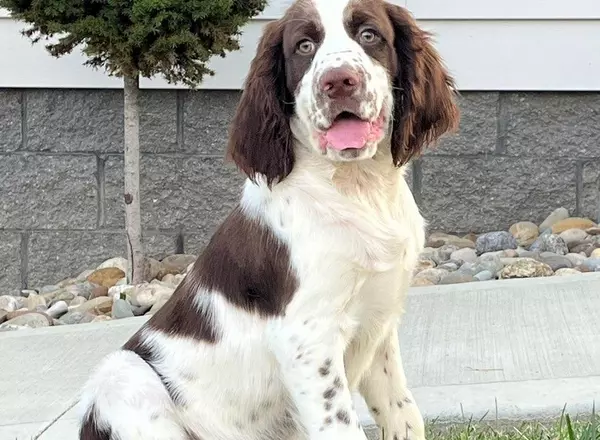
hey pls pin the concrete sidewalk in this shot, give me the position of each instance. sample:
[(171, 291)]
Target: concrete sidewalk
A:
[(513, 349)]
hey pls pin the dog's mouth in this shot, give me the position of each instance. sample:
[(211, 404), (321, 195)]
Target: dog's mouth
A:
[(349, 131)]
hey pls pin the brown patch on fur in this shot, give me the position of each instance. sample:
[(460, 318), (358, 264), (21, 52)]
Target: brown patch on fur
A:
[(89, 429), (260, 138), (248, 265), (424, 105)]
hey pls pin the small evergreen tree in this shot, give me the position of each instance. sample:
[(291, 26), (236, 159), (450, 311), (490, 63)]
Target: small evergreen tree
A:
[(133, 38)]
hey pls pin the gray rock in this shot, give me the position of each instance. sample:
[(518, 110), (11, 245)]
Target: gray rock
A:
[(58, 309), (554, 217), (139, 310), (83, 289), (529, 254), (484, 275), (49, 288), (9, 303), (466, 255), (121, 309), (493, 263), (571, 236), (76, 317), (468, 268), (456, 278), (450, 266), (26, 292), (575, 259), (550, 243), (433, 275), (31, 319), (495, 241), (557, 262), (33, 301), (592, 264)]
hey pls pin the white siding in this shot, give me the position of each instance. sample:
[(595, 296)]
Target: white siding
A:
[(488, 45)]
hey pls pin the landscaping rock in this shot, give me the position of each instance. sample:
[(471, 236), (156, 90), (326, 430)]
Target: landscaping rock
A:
[(556, 216), (58, 309), (31, 320), (121, 309), (593, 230), (571, 236), (106, 277), (525, 233), (550, 243), (484, 275), (557, 262), (595, 253), (572, 223), (176, 264), (8, 303), (592, 264), (566, 272), (526, 268), (495, 241), (148, 294), (117, 262), (97, 306), (420, 282), (466, 255)]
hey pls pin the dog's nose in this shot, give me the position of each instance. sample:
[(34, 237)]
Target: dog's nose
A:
[(340, 82)]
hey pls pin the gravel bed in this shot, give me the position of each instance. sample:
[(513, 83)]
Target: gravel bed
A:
[(560, 246)]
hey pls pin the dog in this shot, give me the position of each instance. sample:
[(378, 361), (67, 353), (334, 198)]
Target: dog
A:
[(295, 301)]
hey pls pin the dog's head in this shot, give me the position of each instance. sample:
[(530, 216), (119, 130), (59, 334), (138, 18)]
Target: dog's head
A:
[(340, 76)]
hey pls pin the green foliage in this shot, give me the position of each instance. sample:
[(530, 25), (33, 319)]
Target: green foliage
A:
[(175, 38)]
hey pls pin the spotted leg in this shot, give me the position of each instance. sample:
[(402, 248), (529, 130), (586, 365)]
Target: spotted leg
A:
[(389, 400), (310, 354)]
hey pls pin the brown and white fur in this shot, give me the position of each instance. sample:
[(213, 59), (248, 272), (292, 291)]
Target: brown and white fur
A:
[(295, 302)]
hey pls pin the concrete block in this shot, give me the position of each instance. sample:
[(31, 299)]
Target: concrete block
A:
[(54, 256), (10, 120), (589, 200), (178, 192), (10, 263), (477, 132), (553, 124), (207, 116), (47, 191), (92, 120), (490, 193)]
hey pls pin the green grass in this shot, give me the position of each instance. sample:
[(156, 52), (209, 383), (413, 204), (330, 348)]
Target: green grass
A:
[(566, 428)]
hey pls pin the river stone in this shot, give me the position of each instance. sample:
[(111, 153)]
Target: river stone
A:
[(493, 263), (456, 278), (117, 262), (3, 314), (49, 289), (467, 255), (139, 310), (31, 320), (421, 282), (566, 272), (439, 239), (98, 291), (97, 306), (594, 230), (526, 268), (152, 269), (77, 317), (433, 275), (525, 233), (592, 264), (584, 247), (121, 309), (83, 275), (33, 301), (176, 264), (572, 223), (84, 289), (8, 303), (58, 309), (571, 236), (556, 216), (575, 259), (484, 275), (595, 253), (160, 302), (26, 292), (550, 243), (557, 262), (106, 277), (495, 241), (77, 301), (147, 294)]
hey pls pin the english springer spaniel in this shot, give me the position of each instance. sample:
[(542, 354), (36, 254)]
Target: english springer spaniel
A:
[(296, 299)]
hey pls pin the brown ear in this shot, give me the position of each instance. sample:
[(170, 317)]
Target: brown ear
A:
[(424, 104), (260, 138)]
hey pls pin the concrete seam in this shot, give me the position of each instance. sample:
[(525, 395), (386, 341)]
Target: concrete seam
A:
[(502, 118), (101, 195), (24, 137), (24, 258), (180, 99)]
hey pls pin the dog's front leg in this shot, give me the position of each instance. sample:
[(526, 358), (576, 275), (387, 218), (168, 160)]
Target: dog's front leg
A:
[(310, 350), (385, 391)]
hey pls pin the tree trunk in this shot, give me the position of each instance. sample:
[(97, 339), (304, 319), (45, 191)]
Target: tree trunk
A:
[(133, 220)]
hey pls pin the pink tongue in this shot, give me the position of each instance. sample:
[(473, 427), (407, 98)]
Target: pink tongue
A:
[(348, 133)]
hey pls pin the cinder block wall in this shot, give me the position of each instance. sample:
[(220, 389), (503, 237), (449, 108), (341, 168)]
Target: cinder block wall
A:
[(517, 156)]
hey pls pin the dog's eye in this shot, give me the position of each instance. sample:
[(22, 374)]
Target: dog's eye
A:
[(305, 47), (369, 36)]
